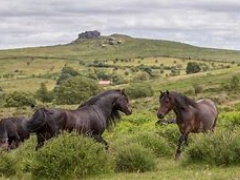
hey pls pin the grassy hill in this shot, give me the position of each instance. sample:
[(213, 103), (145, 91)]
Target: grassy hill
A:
[(104, 48), (25, 69)]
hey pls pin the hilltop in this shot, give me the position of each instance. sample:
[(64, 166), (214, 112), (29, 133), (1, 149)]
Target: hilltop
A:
[(121, 47)]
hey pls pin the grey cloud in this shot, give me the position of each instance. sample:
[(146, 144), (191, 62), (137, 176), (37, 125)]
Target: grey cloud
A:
[(48, 22)]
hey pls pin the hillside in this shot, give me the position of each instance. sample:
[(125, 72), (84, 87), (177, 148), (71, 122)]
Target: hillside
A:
[(121, 47), (146, 67)]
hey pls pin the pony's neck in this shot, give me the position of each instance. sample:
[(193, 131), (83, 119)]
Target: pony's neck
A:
[(106, 104), (183, 102)]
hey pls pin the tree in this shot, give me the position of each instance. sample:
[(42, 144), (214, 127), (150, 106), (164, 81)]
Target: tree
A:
[(43, 94), (66, 73), (192, 67), (76, 90)]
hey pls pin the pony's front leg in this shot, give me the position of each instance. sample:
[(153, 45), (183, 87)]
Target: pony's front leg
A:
[(99, 138), (183, 138), (40, 141)]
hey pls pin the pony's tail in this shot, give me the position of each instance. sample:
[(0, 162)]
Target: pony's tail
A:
[(37, 121), (215, 120)]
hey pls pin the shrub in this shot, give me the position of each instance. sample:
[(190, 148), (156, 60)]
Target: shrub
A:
[(218, 149), (19, 160), (43, 94), (135, 158), (139, 90), (197, 88), (230, 120), (70, 156), (76, 90), (159, 145), (141, 76), (25, 154), (7, 164), (192, 67), (19, 99), (66, 73), (170, 133), (118, 79)]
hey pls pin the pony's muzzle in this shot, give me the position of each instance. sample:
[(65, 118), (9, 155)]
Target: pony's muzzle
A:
[(129, 110), (160, 115)]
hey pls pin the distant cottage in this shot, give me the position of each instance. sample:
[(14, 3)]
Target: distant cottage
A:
[(104, 83)]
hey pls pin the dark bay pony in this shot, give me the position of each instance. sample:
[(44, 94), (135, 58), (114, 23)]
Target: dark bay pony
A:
[(90, 118), (12, 132), (191, 116)]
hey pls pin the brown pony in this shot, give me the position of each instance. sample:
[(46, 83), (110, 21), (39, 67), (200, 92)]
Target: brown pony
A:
[(191, 116)]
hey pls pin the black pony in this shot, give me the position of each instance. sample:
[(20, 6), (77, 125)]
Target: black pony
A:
[(12, 132), (90, 118)]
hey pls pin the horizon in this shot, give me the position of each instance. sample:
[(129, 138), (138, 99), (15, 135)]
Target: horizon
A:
[(121, 34)]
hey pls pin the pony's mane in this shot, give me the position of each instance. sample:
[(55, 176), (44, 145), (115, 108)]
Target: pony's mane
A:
[(115, 115), (99, 96), (182, 101)]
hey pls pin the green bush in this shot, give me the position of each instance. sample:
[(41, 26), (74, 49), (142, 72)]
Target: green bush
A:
[(19, 99), (141, 76), (66, 73), (170, 133), (18, 161), (25, 154), (43, 94), (219, 149), (70, 156), (134, 158), (75, 90), (7, 164), (157, 144), (231, 120), (139, 90), (192, 67)]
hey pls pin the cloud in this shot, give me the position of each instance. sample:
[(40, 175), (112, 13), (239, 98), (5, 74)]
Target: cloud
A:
[(49, 22)]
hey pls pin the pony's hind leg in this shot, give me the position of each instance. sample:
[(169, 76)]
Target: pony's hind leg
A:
[(99, 138)]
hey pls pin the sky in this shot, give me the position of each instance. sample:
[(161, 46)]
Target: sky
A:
[(203, 23)]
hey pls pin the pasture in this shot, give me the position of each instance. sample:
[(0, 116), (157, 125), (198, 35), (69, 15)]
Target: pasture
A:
[(135, 137)]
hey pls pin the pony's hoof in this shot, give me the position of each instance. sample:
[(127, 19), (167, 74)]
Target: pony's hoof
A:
[(177, 156), (161, 122)]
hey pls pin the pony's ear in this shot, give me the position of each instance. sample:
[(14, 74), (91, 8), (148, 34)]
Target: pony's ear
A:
[(122, 91), (167, 92)]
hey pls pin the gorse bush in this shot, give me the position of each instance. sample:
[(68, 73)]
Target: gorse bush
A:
[(219, 149), (70, 156), (18, 160), (230, 120), (7, 164), (170, 133), (139, 90), (134, 158), (157, 144), (25, 154), (19, 99)]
